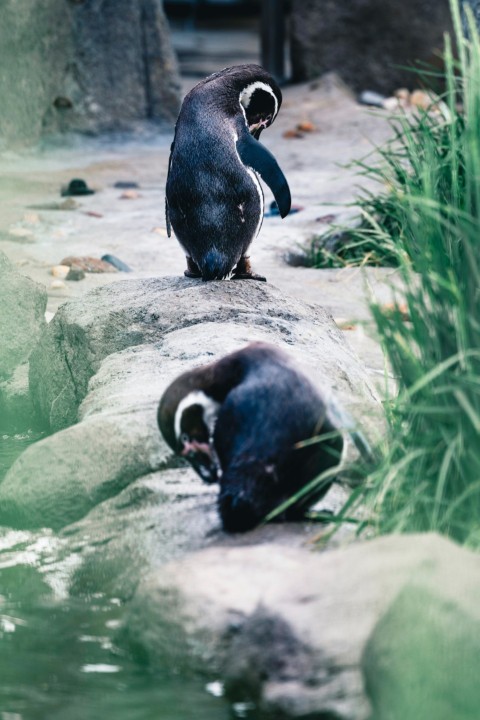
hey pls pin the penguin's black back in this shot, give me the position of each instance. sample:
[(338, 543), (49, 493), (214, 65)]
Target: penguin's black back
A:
[(272, 408), (215, 203)]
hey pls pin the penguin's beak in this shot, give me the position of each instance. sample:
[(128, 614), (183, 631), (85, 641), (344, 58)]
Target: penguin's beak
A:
[(193, 447), (202, 458), (256, 133)]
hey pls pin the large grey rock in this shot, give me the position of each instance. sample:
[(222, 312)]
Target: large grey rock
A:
[(34, 44), (123, 70), (106, 360), (84, 65), (423, 656), (16, 407), (22, 316), (157, 518), (197, 319), (369, 43), (296, 632)]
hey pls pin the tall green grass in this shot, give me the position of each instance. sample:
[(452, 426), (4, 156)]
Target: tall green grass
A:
[(429, 474), (426, 473)]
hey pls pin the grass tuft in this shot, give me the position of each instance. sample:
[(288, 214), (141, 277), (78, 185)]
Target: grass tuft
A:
[(427, 476)]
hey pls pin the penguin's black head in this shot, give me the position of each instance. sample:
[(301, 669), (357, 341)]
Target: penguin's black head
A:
[(260, 103), (249, 88), (194, 424)]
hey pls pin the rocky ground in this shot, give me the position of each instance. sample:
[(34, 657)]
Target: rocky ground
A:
[(132, 227), (285, 631)]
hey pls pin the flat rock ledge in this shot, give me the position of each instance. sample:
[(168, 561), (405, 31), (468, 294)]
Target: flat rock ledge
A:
[(389, 628), (100, 369)]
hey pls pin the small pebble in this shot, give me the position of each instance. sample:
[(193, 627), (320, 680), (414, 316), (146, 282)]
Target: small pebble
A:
[(116, 262), (60, 271), (297, 259), (392, 309), (77, 186), (126, 185), (89, 264), (306, 126), (369, 97), (326, 218), (290, 134), (129, 195), (391, 104), (57, 285), (75, 273), (426, 101), (403, 97)]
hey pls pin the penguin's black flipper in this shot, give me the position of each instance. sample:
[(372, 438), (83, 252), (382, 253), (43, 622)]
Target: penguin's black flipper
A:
[(256, 156)]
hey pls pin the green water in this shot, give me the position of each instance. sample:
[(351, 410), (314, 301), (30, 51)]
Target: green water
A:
[(58, 660), (59, 655), (12, 444)]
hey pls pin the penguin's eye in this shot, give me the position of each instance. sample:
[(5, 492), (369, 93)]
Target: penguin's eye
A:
[(184, 438)]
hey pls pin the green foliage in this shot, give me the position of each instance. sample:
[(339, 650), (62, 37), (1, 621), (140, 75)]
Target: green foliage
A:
[(426, 473), (367, 244), (429, 475)]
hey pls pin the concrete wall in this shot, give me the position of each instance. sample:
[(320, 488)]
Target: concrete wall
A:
[(367, 42), (83, 65)]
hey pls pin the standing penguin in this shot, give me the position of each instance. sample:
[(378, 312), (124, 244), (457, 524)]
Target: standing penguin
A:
[(241, 421), (214, 201)]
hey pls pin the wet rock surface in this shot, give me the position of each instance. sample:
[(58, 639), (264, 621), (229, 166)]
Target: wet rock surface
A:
[(296, 632), (134, 313), (106, 360)]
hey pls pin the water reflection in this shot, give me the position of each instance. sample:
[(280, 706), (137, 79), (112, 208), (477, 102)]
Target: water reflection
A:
[(59, 655), (59, 660)]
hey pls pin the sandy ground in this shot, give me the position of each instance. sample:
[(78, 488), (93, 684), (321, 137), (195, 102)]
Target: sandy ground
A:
[(134, 229)]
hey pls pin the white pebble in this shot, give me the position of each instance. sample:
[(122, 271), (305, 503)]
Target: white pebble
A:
[(60, 271)]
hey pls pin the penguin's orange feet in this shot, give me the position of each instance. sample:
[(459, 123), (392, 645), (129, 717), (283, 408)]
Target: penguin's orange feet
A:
[(243, 271), (192, 271)]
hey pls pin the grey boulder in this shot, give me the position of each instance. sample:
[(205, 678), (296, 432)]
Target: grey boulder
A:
[(390, 626), (22, 316), (84, 66), (369, 43), (100, 369)]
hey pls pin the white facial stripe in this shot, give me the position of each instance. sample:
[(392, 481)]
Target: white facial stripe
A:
[(246, 95), (210, 411)]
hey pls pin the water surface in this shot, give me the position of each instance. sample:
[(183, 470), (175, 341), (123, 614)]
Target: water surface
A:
[(59, 655)]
